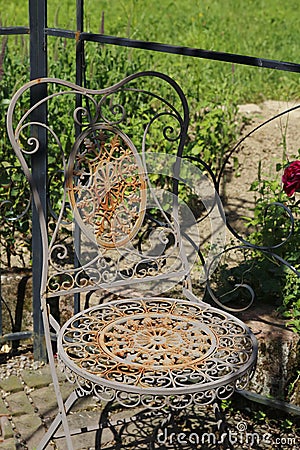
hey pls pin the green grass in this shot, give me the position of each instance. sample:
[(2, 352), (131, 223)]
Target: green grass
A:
[(262, 28)]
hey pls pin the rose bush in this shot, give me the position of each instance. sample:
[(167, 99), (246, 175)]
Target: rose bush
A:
[(291, 178)]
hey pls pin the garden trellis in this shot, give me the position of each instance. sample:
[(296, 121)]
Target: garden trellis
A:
[(39, 32)]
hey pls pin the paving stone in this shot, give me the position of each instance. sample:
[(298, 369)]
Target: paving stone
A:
[(37, 378), (27, 425), (9, 444), (19, 404), (66, 390), (11, 384), (45, 400), (83, 441), (87, 404), (3, 408), (33, 440), (5, 428), (60, 375)]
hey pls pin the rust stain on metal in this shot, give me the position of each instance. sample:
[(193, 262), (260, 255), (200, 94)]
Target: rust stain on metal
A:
[(77, 36), (115, 201)]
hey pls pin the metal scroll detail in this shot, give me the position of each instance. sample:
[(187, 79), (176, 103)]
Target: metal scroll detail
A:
[(129, 233), (159, 347), (107, 187)]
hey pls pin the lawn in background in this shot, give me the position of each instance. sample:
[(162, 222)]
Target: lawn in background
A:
[(261, 28)]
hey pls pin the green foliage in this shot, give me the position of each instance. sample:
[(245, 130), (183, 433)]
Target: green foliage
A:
[(274, 229), (215, 128), (14, 194), (14, 222), (291, 300), (268, 30)]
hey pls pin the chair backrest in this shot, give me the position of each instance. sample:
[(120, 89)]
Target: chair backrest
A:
[(116, 172)]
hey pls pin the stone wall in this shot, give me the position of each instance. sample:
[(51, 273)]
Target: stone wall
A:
[(278, 368)]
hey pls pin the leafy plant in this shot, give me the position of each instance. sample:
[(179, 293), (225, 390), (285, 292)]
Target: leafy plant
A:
[(214, 128), (276, 227)]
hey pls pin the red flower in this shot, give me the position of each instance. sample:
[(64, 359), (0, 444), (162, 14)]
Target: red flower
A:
[(291, 178)]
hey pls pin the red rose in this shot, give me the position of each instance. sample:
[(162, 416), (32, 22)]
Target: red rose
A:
[(291, 178)]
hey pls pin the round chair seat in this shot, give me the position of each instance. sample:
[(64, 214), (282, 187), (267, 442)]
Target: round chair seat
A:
[(157, 352)]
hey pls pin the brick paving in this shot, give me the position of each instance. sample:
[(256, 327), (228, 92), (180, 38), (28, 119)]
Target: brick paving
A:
[(28, 405)]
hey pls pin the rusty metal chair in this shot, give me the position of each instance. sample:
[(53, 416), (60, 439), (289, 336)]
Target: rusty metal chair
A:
[(118, 175)]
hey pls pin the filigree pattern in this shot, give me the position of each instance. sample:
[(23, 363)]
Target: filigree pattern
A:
[(159, 347), (113, 267), (107, 187)]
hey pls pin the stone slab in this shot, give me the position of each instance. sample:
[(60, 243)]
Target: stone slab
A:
[(37, 378), (44, 399), (19, 404), (11, 384), (82, 440), (27, 426), (3, 408), (8, 444), (5, 428), (87, 404)]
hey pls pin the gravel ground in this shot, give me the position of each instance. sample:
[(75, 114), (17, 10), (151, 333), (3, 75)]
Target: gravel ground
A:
[(13, 365)]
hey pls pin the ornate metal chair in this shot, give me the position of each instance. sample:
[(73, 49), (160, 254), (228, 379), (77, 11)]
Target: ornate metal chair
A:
[(119, 190)]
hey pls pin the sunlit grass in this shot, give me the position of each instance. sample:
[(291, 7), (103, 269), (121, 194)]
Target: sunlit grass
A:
[(267, 29)]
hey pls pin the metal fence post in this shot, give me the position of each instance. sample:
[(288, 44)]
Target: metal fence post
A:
[(38, 68), (79, 81)]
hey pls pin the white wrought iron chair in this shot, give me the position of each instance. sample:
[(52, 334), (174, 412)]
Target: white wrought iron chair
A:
[(116, 178)]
